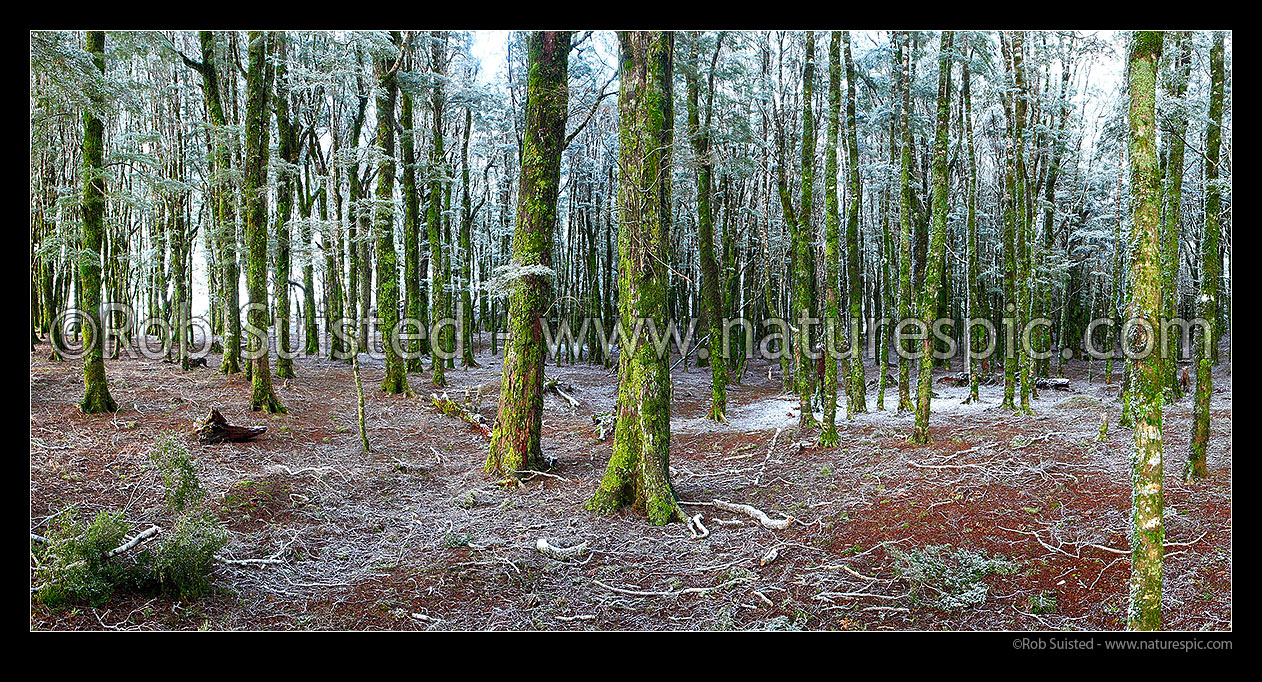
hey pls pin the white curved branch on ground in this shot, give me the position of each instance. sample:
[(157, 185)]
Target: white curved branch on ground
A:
[(140, 537), (767, 521), (561, 553)]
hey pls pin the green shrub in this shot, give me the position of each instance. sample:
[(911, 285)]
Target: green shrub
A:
[(952, 574), (73, 562), (74, 566), (181, 562), (182, 489), (1043, 602)]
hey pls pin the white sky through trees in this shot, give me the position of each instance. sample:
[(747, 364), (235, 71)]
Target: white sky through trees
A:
[(1096, 91)]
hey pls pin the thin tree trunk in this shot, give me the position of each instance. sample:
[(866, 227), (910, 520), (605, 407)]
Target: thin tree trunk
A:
[(1210, 265), (1146, 399)]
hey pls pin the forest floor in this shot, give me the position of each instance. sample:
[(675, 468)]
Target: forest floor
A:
[(1004, 522)]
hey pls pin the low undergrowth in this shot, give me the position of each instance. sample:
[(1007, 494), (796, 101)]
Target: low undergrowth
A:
[(949, 577), (79, 564)]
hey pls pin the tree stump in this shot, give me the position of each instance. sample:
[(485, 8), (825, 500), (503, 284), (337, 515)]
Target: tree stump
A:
[(215, 429)]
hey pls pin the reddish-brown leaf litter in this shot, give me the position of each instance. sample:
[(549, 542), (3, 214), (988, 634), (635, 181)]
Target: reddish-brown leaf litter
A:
[(414, 535)]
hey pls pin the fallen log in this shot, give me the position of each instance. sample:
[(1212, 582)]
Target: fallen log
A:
[(554, 385), (215, 429), (449, 407), (963, 379)]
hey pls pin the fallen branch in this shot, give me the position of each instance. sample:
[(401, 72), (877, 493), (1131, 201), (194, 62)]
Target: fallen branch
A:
[(694, 526), (847, 569), (140, 537), (247, 562), (767, 521), (770, 556), (671, 593), (554, 385), (561, 553), (449, 407), (532, 472)]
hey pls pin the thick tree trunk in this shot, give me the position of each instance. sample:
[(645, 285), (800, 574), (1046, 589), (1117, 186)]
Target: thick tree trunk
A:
[(639, 470), (96, 393), (937, 241), (254, 189), (515, 440)]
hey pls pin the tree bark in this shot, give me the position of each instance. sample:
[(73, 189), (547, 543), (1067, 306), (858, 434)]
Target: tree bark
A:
[(254, 189), (937, 241), (515, 439), (1146, 395), (639, 470), (96, 392), (1210, 266)]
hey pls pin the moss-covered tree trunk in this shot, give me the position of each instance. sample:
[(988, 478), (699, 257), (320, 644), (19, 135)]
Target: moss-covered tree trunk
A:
[(411, 230), (803, 251), (712, 309), (1010, 246), (856, 382), (254, 190), (976, 334), (356, 267), (828, 436), (1025, 284), (311, 329), (639, 470), (515, 439), (1148, 380), (1210, 266), (287, 148), (903, 55), (226, 302), (440, 277), (1177, 125), (937, 240), (96, 392), (466, 249), (396, 379)]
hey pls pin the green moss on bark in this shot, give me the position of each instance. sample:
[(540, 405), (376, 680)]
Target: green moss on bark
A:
[(96, 393)]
